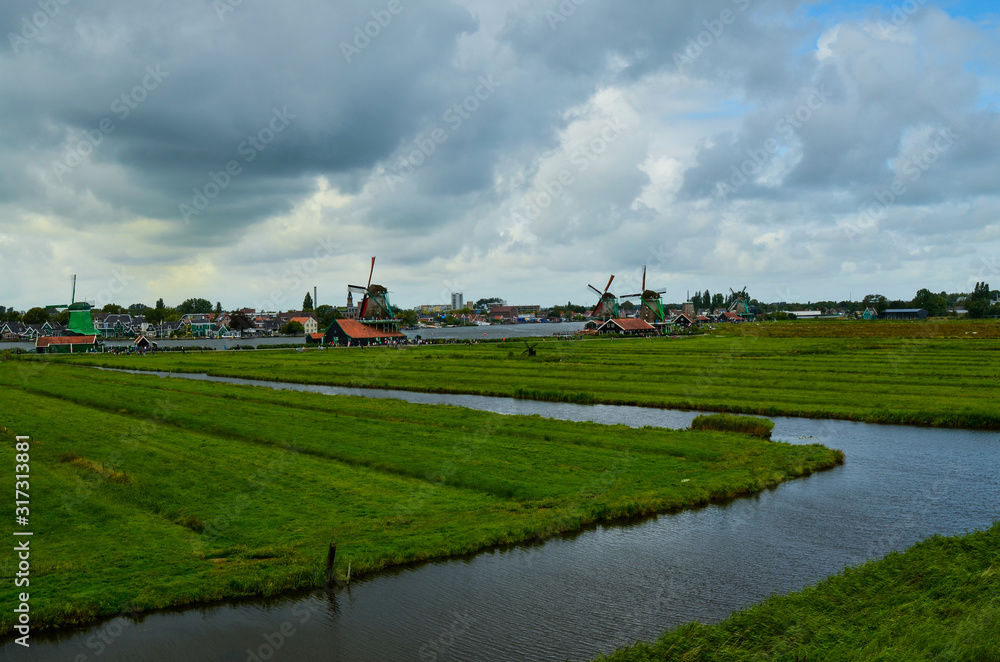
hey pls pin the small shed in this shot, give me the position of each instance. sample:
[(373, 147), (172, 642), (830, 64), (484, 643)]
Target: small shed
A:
[(65, 344), (143, 343)]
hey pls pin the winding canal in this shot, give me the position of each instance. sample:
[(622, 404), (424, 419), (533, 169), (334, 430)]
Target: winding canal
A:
[(591, 592)]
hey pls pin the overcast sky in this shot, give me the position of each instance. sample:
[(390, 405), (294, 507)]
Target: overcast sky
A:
[(244, 151)]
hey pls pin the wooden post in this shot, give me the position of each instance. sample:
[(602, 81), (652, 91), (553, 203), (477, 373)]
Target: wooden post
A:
[(331, 557), (348, 571)]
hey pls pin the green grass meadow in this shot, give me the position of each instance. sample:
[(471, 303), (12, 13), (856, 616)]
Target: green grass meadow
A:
[(149, 492), (942, 374)]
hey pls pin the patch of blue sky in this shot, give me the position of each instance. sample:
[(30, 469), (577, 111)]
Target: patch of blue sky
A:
[(728, 108), (836, 11)]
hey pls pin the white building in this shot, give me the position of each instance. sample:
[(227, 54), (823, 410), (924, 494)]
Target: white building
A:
[(457, 300)]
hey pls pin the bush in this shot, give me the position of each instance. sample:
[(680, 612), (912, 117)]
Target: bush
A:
[(292, 328), (758, 427)]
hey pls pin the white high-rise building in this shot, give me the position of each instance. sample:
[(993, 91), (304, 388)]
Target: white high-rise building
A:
[(457, 301)]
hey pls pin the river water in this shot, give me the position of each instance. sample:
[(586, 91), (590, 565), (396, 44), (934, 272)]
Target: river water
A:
[(591, 592)]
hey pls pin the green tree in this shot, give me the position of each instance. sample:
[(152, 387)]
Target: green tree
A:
[(979, 301), (240, 322), (218, 307), (62, 318), (487, 303), (307, 303), (112, 309), (36, 316), (196, 306), (292, 328), (876, 302), (409, 317), (935, 304)]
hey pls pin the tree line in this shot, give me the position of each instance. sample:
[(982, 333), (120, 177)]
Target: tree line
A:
[(982, 302)]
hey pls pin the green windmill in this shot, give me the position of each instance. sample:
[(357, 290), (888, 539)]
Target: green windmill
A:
[(651, 306), (741, 304), (81, 322)]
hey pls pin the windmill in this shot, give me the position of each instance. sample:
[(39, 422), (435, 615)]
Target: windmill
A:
[(607, 307), (375, 303), (741, 303), (81, 322), (529, 349), (651, 306)]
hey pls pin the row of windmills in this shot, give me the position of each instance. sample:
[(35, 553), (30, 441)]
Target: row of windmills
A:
[(650, 303), (651, 308)]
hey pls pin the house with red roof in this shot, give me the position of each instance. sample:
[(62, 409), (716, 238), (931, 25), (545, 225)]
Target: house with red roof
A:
[(344, 331), (65, 344), (630, 326), (308, 323)]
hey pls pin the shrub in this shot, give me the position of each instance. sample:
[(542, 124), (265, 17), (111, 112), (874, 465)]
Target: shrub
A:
[(759, 427)]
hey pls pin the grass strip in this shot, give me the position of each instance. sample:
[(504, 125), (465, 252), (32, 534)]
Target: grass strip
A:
[(938, 600), (752, 425), (922, 380), (149, 492)]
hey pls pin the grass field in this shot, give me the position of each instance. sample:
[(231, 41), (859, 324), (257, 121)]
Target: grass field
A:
[(929, 373), (938, 600), (149, 492)]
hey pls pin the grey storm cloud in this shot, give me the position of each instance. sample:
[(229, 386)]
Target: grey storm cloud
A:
[(191, 129)]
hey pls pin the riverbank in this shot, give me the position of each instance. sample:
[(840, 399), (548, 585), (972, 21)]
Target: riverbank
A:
[(939, 600), (922, 381), (150, 492)]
